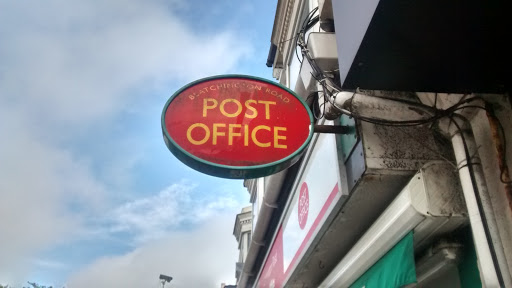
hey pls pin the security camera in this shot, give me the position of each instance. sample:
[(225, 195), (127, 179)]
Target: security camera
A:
[(165, 278)]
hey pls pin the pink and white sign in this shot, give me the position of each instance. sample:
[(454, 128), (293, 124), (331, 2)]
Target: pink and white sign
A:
[(272, 275), (320, 182), (316, 193)]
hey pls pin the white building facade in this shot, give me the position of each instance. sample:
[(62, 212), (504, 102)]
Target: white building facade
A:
[(242, 232), (416, 191)]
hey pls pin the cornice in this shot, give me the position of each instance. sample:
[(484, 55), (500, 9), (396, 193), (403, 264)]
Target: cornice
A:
[(285, 24)]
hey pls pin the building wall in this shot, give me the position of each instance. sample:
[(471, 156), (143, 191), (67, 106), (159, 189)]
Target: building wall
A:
[(242, 232), (286, 70)]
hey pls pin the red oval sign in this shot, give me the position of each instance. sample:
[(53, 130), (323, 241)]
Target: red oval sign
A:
[(236, 126)]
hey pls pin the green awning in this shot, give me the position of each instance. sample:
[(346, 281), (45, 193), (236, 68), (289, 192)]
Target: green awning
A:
[(468, 267), (395, 269)]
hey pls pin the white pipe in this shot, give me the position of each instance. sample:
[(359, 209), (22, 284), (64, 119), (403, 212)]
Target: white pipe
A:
[(332, 112), (272, 191), (488, 273), (376, 107)]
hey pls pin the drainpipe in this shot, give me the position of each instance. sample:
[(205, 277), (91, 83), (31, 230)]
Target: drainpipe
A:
[(488, 245), (272, 190), (379, 107), (338, 100)]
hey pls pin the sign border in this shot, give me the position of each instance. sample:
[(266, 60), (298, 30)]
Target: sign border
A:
[(227, 171)]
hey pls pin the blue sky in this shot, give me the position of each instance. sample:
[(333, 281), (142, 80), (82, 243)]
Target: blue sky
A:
[(89, 194)]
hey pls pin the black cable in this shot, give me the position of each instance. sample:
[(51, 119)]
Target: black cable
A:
[(384, 122), (438, 113), (408, 102), (479, 203), (326, 99), (314, 104), (468, 164), (308, 17), (296, 44), (289, 39), (307, 24), (311, 95), (312, 22), (502, 135), (302, 31)]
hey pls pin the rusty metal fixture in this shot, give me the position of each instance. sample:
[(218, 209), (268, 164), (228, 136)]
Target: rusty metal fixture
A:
[(497, 138)]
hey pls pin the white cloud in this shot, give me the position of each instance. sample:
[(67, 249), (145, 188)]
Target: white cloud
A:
[(150, 217), (48, 264), (180, 204), (38, 182), (82, 60), (67, 67), (204, 257)]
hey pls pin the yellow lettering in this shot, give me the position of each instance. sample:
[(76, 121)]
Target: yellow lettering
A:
[(267, 107), (238, 110), (206, 106), (198, 142), (216, 132), (232, 133), (249, 107), (246, 135), (277, 137), (253, 134)]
